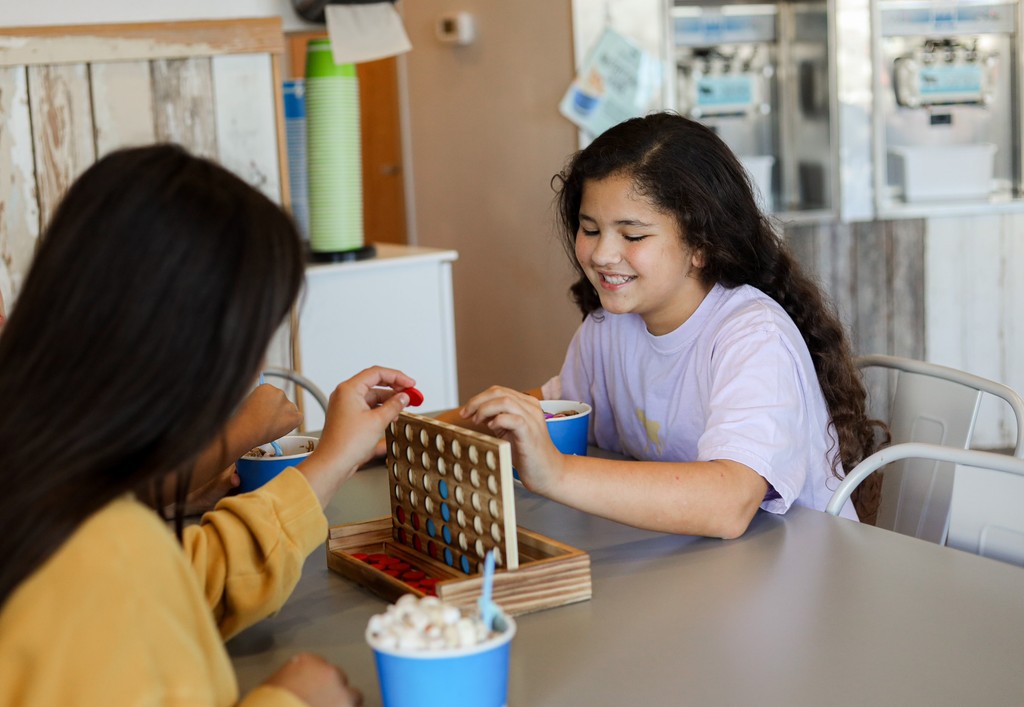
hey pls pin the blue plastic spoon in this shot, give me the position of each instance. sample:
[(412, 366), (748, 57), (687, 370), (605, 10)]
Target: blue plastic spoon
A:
[(274, 444), (488, 609)]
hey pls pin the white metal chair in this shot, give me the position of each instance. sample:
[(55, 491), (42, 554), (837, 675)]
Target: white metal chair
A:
[(990, 522), (938, 405), (302, 382)]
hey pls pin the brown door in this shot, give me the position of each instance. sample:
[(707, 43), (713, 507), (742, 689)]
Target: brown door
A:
[(383, 188)]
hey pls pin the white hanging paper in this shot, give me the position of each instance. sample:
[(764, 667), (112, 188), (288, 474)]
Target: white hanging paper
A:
[(365, 32), (618, 81)]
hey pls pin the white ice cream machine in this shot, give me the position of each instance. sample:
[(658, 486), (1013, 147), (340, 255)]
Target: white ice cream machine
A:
[(859, 109), (757, 74), (947, 128)]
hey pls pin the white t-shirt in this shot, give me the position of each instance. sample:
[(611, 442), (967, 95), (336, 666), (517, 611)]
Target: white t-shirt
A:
[(735, 382)]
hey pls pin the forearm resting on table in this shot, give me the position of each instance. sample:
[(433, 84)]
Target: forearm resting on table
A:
[(713, 499)]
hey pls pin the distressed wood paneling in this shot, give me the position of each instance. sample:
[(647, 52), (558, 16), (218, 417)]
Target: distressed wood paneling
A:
[(19, 208), (71, 94), (906, 267), (245, 118), (122, 99), (25, 46), (874, 275), (62, 129), (843, 278), (974, 301), (183, 104), (874, 298)]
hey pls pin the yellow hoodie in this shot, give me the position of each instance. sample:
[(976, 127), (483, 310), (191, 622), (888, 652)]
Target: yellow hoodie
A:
[(122, 614)]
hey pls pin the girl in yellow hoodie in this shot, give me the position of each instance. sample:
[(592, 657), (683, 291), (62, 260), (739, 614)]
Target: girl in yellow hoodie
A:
[(141, 326)]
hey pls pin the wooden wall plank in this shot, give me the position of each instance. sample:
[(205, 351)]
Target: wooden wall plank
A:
[(841, 257), (970, 308), (122, 99), (19, 208), (113, 42), (873, 308), (246, 119), (1012, 314), (183, 104), (906, 240), (944, 293), (62, 129)]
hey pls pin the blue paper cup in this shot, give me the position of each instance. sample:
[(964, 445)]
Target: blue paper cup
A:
[(475, 676), (254, 471), (568, 433)]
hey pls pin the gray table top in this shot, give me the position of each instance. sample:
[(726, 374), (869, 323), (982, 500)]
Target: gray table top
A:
[(803, 609)]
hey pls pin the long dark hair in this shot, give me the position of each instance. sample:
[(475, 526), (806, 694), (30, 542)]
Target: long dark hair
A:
[(685, 170), (142, 323)]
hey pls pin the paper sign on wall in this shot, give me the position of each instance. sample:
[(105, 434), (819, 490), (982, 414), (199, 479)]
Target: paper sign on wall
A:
[(617, 82)]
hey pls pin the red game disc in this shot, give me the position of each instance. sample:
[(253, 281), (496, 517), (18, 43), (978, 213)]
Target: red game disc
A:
[(415, 397)]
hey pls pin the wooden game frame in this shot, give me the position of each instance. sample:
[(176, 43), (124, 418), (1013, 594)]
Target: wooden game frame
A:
[(542, 572)]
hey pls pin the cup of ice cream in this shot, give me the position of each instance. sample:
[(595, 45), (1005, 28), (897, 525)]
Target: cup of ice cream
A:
[(261, 464), (568, 424), (429, 654)]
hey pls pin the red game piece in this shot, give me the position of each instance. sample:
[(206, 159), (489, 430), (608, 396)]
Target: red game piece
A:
[(377, 558), (415, 397), (361, 556), (413, 575)]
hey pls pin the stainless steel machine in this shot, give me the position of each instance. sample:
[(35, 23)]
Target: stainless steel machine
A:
[(758, 74), (860, 109), (946, 105)]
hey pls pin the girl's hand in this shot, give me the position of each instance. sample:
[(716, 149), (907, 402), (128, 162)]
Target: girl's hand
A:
[(316, 682), (518, 418), (358, 413), (204, 494), (264, 416)]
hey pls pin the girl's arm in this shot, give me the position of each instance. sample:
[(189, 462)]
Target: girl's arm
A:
[(714, 498), (248, 552), (265, 415)]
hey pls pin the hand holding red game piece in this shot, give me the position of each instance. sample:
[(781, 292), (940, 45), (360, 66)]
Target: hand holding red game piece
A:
[(415, 397)]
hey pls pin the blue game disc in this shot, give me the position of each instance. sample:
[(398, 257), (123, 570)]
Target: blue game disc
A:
[(448, 556), (442, 488), (431, 528), (445, 512)]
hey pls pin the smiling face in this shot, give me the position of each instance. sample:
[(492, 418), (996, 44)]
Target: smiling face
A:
[(634, 255)]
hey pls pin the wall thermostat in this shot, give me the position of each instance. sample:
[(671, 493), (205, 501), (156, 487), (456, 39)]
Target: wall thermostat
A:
[(457, 28)]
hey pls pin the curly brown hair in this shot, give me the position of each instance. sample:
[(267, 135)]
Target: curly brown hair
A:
[(685, 170)]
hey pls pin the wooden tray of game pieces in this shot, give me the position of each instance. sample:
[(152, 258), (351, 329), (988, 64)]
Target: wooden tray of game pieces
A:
[(452, 502), (550, 573)]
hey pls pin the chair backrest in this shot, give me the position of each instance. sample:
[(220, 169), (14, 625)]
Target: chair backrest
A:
[(988, 484), (935, 405)]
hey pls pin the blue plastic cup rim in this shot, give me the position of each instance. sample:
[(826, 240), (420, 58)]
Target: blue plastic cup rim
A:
[(289, 441), (491, 643), (557, 406)]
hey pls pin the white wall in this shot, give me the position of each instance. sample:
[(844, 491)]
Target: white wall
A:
[(486, 138)]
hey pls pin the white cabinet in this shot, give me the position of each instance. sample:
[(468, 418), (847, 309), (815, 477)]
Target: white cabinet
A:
[(394, 310)]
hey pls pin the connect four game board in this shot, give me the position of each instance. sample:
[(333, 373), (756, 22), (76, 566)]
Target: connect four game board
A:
[(451, 493), (452, 500)]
